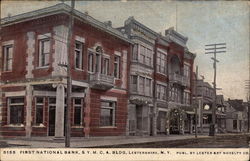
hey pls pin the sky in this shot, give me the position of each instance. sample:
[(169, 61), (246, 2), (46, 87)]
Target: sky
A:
[(203, 22)]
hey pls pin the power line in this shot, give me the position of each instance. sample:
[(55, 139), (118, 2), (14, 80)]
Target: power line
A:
[(214, 49)]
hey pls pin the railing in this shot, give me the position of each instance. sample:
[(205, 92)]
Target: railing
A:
[(180, 79), (101, 81)]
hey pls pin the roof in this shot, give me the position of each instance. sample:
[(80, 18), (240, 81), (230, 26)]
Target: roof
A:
[(145, 28), (176, 37), (63, 8), (237, 104)]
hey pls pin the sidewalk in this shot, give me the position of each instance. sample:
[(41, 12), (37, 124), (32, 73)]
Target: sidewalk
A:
[(77, 142)]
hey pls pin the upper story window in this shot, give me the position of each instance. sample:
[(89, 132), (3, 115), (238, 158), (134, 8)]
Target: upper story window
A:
[(135, 52), (44, 52), (186, 71), (105, 66), (7, 57), (161, 62), (79, 55), (145, 56), (117, 66), (161, 92), (141, 85)]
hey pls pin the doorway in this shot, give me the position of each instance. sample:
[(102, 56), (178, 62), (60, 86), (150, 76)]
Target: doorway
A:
[(52, 112)]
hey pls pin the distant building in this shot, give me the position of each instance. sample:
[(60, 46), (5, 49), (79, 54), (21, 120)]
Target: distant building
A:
[(237, 116), (205, 94)]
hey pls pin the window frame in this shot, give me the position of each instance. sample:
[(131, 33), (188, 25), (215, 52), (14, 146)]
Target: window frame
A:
[(81, 111), (39, 104), (161, 59), (113, 107), (117, 64), (9, 104), (41, 54), (81, 52), (6, 57)]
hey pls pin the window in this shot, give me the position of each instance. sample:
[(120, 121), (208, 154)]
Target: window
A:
[(145, 55), (144, 87), (161, 92), (161, 63), (134, 83), (16, 110), (147, 87), (91, 62), (107, 113), (8, 57), (141, 85), (186, 71), (39, 110), (117, 67), (97, 62), (105, 67), (234, 124), (149, 57), (135, 52), (78, 111), (78, 55), (44, 52)]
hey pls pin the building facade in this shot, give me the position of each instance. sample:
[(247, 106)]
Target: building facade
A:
[(205, 94), (236, 116), (33, 76), (125, 81), (160, 81)]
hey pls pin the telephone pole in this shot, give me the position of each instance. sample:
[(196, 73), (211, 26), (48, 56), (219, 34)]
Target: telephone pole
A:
[(214, 49), (196, 101), (68, 122)]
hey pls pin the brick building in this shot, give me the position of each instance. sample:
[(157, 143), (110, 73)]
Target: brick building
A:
[(160, 81), (33, 84), (125, 81)]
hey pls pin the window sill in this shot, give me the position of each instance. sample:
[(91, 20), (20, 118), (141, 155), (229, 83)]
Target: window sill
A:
[(14, 125), (79, 127), (42, 67), (39, 126), (117, 79), (161, 73), (104, 127), (9, 71)]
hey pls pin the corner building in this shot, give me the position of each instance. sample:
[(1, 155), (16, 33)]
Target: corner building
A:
[(33, 76)]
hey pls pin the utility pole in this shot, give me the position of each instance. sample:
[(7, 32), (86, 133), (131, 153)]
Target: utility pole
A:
[(196, 101), (214, 49), (202, 102), (247, 87), (69, 86)]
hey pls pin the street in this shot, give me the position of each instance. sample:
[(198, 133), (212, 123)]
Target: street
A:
[(171, 141)]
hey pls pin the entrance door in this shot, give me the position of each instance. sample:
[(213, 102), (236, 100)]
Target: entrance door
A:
[(52, 112)]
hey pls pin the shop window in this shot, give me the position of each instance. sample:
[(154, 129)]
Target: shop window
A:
[(78, 111), (39, 110), (16, 110)]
